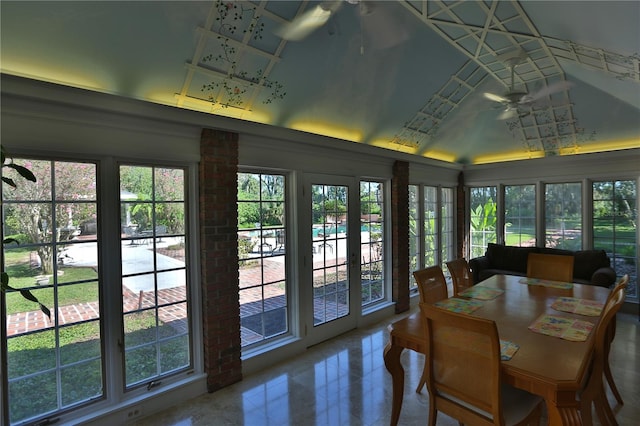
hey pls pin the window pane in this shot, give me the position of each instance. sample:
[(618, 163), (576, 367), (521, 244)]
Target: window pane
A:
[(483, 219), (59, 359), (372, 242), (330, 234), (154, 278), (446, 227), (615, 217), (430, 226), (414, 235), (520, 215), (563, 216), (262, 257)]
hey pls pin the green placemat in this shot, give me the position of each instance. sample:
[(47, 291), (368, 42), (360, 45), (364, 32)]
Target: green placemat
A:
[(454, 304), (481, 293)]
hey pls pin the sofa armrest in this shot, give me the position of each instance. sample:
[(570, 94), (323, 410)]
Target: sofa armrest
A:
[(604, 277), (476, 265)]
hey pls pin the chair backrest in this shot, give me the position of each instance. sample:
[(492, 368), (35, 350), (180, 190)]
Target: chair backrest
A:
[(550, 267), (463, 356), (432, 285), (602, 337), (460, 274)]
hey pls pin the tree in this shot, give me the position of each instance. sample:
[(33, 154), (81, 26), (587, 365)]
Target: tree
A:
[(71, 185), (261, 200), (159, 196), (28, 175)]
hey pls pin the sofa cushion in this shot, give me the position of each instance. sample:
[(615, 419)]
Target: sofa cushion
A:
[(509, 258), (560, 252), (588, 261)]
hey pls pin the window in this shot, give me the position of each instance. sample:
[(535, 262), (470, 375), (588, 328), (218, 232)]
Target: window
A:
[(154, 275), (264, 311), (482, 219), (415, 252), (520, 215), (615, 216), (447, 246), (53, 363), (563, 216), (66, 362), (430, 226), (372, 241)]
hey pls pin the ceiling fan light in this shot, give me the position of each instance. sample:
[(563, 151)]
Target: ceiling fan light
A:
[(495, 98), (305, 24)]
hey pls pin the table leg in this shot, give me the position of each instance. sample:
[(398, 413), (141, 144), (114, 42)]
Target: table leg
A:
[(394, 366)]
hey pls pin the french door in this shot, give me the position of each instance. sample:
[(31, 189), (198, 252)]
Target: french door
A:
[(330, 267)]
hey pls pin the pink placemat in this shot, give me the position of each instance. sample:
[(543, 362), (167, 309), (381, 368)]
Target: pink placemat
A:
[(590, 308), (481, 293), (454, 304), (545, 283), (562, 327)]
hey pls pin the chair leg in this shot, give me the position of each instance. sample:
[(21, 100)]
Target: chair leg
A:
[(433, 414), (423, 381), (605, 415), (586, 405), (423, 378), (612, 384), (611, 333)]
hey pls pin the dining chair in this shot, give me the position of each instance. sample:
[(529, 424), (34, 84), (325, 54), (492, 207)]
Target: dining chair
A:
[(464, 375), (550, 267), (593, 392), (460, 274), (611, 334), (432, 287)]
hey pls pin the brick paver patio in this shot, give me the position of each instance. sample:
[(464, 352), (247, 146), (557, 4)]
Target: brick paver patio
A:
[(250, 304)]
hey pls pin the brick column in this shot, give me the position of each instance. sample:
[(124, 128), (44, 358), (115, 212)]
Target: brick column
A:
[(400, 235), (219, 258)]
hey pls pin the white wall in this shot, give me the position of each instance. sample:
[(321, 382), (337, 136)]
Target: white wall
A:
[(623, 164)]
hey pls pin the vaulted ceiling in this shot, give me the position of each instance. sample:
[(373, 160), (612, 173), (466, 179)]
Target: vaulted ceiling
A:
[(409, 76)]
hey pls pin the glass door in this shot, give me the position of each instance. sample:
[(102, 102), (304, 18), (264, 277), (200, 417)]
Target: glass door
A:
[(331, 268)]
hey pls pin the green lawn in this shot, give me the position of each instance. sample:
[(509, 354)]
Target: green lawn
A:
[(32, 362), (22, 275)]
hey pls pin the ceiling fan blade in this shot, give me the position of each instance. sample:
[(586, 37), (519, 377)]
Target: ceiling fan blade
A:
[(495, 98), (508, 113), (547, 90), (308, 22)]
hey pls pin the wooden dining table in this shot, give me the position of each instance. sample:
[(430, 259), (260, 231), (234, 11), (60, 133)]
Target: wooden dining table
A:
[(544, 365)]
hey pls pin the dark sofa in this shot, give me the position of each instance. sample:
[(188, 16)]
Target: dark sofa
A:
[(589, 267)]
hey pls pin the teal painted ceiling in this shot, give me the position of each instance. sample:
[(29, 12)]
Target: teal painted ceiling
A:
[(409, 76)]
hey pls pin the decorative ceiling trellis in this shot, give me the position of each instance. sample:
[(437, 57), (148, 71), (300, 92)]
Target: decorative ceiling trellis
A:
[(230, 68), (484, 31)]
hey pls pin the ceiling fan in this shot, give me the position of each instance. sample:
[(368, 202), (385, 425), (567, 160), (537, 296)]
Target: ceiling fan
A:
[(311, 20), (513, 100)]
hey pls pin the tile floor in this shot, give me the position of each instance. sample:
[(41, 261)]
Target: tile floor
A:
[(344, 382)]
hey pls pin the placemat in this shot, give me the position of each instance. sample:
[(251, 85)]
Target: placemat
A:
[(562, 327), (481, 293), (508, 349), (454, 304), (546, 283), (590, 308)]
